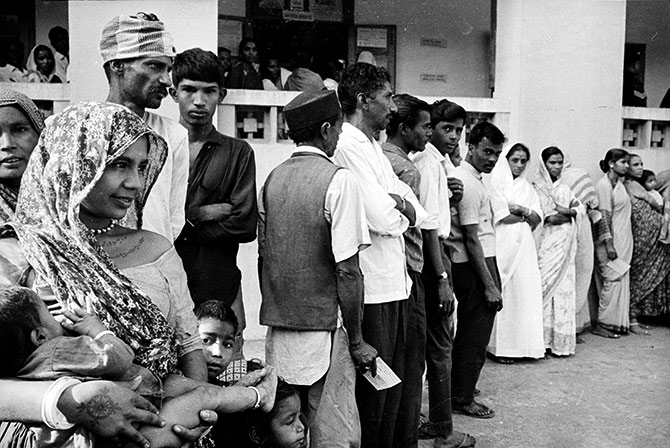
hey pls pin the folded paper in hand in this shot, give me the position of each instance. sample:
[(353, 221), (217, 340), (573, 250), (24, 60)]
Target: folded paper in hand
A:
[(385, 378), (619, 267)]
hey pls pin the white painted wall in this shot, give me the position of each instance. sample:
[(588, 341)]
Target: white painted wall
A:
[(559, 66), (464, 25), (47, 15), (648, 22)]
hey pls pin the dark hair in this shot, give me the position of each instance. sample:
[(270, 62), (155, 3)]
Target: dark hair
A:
[(218, 310), (409, 108), (516, 148), (646, 175), (39, 48), (261, 420), (57, 31), (243, 42), (264, 71), (612, 155), (487, 130), (310, 133), (551, 151), (19, 316), (197, 64), (445, 110), (360, 78)]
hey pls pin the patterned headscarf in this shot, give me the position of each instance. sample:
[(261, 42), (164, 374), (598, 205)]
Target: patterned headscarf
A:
[(67, 163), (24, 104), (138, 36)]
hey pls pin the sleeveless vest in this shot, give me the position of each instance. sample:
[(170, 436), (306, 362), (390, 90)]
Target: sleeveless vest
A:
[(298, 282)]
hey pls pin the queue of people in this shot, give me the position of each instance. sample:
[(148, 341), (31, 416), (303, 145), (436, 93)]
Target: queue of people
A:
[(121, 311)]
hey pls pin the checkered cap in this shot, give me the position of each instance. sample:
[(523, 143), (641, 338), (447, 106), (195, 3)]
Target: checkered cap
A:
[(138, 36)]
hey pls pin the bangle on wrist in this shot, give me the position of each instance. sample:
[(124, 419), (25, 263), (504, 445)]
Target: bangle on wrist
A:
[(51, 415), (103, 334), (258, 397)]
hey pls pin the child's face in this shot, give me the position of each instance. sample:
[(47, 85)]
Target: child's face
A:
[(218, 339), (50, 326), (650, 184), (286, 428)]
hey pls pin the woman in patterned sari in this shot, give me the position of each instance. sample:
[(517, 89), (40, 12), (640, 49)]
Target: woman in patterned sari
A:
[(614, 247), (650, 266), (556, 253), (94, 163), (20, 127)]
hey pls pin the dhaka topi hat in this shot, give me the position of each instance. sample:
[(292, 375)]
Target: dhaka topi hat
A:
[(138, 36), (10, 97), (311, 108)]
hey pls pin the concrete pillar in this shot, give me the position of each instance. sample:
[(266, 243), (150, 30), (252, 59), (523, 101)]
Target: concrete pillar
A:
[(559, 65)]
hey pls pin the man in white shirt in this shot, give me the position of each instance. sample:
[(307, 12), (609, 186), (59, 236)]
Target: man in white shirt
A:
[(434, 193), (312, 287), (137, 56), (390, 207), (475, 274)]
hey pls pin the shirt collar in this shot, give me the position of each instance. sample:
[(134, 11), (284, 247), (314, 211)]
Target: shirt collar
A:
[(311, 149), (433, 151), (356, 133), (471, 169), (395, 149)]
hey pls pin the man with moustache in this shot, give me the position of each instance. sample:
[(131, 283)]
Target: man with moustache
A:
[(475, 275), (137, 55), (312, 228), (390, 208)]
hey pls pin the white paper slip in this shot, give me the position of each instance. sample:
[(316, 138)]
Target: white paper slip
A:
[(385, 376), (619, 266)]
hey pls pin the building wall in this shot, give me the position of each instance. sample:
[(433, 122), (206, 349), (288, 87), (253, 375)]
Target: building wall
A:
[(559, 65), (647, 22), (47, 15), (237, 8), (464, 26)]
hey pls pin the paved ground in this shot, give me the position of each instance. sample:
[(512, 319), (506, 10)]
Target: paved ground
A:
[(612, 393)]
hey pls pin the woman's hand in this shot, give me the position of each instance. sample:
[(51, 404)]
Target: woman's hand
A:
[(267, 388), (110, 410)]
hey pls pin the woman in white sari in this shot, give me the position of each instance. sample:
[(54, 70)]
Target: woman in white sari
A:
[(517, 332), (556, 253)]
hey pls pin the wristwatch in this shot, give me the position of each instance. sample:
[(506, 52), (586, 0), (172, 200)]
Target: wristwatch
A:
[(444, 276)]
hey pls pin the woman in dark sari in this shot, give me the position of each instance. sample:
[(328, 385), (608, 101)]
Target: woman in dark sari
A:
[(649, 279)]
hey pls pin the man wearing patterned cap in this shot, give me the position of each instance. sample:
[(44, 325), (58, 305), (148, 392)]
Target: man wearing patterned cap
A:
[(137, 55), (312, 227)]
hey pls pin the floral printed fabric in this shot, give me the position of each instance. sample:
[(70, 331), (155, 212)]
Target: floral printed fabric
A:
[(69, 159), (650, 267)]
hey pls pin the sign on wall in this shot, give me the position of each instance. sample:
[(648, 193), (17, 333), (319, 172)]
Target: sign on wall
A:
[(297, 10)]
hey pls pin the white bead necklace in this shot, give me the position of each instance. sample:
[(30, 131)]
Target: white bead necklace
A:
[(113, 223)]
